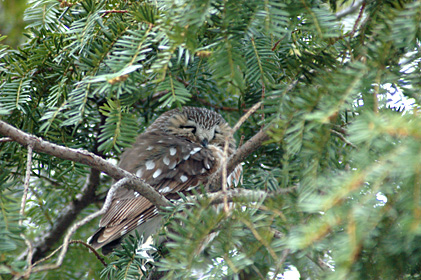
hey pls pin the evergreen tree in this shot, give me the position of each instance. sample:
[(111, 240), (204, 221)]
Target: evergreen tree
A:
[(332, 188)]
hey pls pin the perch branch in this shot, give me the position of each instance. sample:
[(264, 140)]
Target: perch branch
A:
[(84, 157)]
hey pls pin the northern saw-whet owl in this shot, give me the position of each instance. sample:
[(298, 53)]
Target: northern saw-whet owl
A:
[(180, 150)]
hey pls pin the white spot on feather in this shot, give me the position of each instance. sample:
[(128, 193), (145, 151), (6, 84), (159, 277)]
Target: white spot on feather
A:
[(195, 150), (157, 173), (139, 172), (150, 165), (117, 202), (141, 220), (173, 151), (186, 157), (165, 190), (155, 211), (123, 232), (166, 160), (190, 188), (136, 194), (183, 178)]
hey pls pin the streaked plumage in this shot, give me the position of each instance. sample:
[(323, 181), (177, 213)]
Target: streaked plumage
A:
[(178, 152)]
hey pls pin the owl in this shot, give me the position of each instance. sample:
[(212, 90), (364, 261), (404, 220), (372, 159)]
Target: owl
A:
[(176, 153)]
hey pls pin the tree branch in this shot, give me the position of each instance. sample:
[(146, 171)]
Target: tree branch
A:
[(84, 157), (71, 211), (349, 10)]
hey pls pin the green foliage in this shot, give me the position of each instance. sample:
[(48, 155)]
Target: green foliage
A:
[(119, 129), (131, 261), (341, 105)]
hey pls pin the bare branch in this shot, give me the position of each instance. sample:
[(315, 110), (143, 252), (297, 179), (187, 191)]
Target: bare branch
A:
[(87, 158), (246, 116), (26, 184), (22, 208), (349, 10), (342, 137), (224, 176)]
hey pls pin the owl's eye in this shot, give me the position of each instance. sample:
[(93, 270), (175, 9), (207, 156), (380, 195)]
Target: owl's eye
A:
[(193, 128)]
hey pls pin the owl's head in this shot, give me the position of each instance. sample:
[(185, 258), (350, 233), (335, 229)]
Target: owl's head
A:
[(198, 125)]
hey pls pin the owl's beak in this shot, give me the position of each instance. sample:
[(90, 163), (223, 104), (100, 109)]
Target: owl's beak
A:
[(204, 142)]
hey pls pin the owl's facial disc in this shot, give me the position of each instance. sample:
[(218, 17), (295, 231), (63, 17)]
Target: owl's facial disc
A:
[(202, 135)]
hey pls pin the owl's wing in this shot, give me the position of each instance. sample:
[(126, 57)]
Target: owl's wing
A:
[(167, 163)]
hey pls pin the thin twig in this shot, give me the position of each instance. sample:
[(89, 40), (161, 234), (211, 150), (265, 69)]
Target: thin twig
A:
[(104, 13), (281, 262), (349, 10), (376, 92), (6, 139), (360, 15), (84, 221), (224, 175), (262, 106), (92, 249), (343, 138), (246, 116), (22, 209)]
